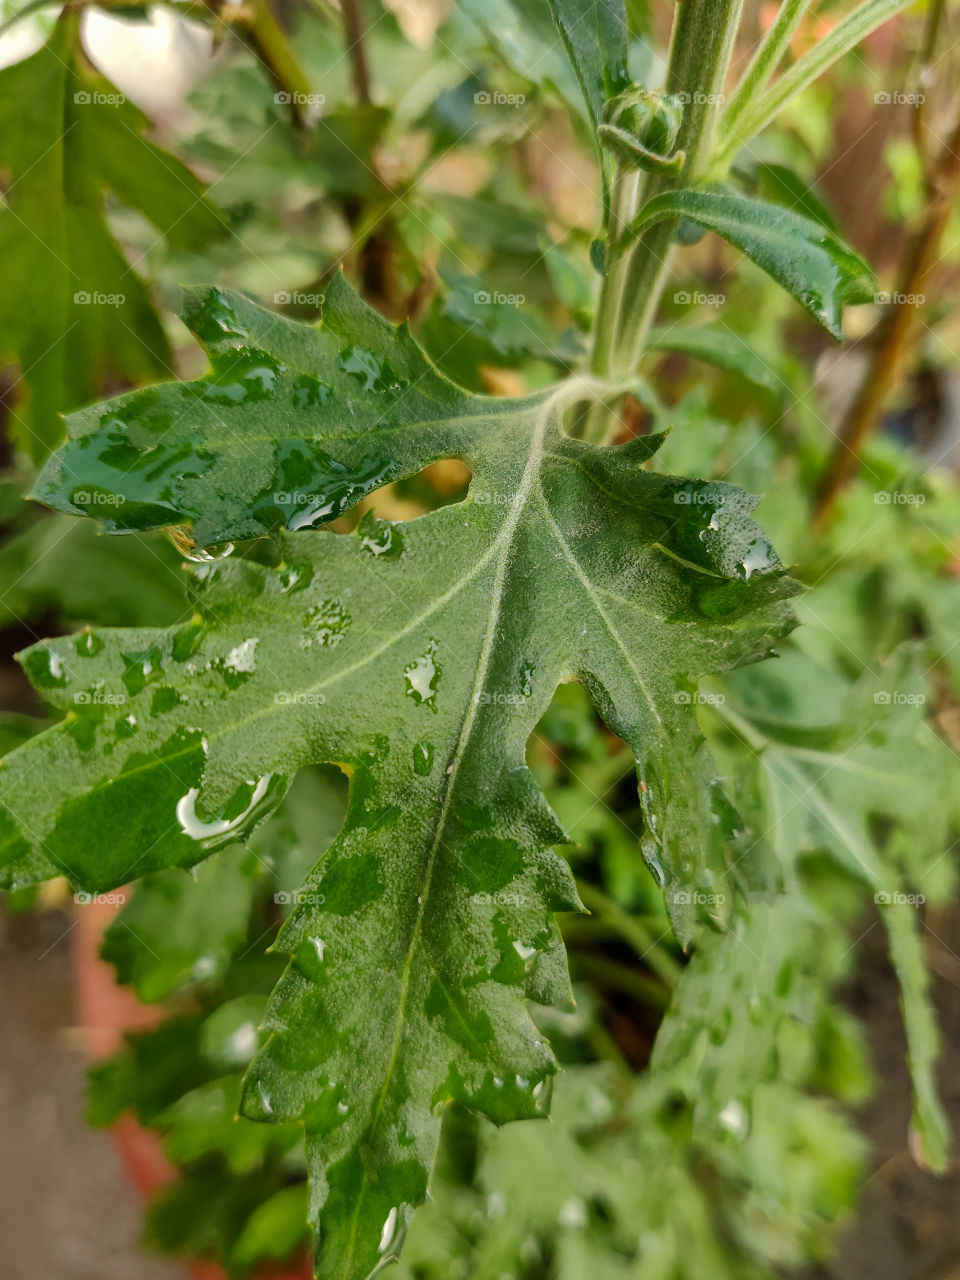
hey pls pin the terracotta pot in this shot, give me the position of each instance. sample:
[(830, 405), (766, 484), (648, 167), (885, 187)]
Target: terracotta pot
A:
[(104, 1011)]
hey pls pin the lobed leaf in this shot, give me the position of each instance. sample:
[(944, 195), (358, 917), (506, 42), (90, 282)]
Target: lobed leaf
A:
[(417, 657)]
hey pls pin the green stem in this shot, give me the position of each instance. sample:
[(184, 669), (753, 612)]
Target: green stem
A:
[(611, 973), (632, 931), (700, 51), (623, 208), (844, 36), (263, 33), (764, 62)]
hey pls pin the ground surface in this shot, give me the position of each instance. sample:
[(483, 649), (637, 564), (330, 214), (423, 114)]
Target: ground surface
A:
[(66, 1210)]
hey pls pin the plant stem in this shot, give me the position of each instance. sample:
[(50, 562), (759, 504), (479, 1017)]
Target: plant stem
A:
[(623, 207), (895, 330), (354, 32), (700, 51), (631, 930), (844, 36), (765, 61), (611, 973)]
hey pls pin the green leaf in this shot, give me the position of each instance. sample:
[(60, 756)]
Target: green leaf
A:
[(595, 36), (176, 929), (60, 566), (420, 658), (525, 37), (276, 1227), (722, 347), (73, 314), (781, 185), (806, 258), (833, 773)]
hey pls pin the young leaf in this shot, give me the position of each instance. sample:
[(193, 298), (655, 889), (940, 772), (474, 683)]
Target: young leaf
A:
[(420, 657), (721, 347), (595, 35), (803, 256), (73, 313)]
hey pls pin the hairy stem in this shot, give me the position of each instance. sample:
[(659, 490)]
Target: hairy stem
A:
[(700, 50), (765, 61), (844, 36)]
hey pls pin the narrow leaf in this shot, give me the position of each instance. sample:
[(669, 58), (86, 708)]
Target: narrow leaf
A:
[(822, 273), (718, 346)]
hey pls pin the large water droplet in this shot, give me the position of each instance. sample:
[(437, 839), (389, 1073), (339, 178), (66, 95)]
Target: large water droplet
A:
[(214, 832), (423, 676), (379, 537)]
